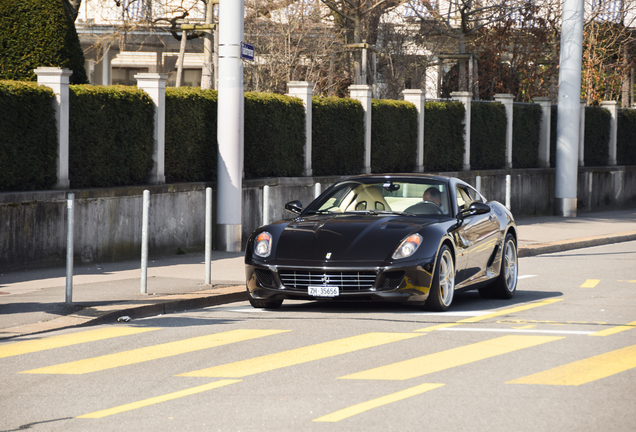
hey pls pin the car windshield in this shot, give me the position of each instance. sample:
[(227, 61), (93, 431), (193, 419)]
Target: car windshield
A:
[(380, 196)]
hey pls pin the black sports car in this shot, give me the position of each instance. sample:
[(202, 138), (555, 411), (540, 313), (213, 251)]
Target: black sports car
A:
[(398, 237)]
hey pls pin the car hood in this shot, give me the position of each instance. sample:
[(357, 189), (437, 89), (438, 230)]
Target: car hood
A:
[(349, 238)]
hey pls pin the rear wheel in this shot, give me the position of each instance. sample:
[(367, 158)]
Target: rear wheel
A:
[(505, 285), (266, 304), (443, 286)]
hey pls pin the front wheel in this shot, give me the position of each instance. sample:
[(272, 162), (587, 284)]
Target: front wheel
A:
[(505, 285), (266, 304), (443, 286)]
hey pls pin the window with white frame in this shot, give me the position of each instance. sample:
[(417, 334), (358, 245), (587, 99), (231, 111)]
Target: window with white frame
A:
[(136, 10), (608, 10), (419, 8)]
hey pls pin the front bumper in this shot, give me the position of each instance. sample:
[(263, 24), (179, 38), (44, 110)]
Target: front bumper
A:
[(391, 283)]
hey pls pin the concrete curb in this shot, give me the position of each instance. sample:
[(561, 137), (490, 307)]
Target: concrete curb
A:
[(565, 245)]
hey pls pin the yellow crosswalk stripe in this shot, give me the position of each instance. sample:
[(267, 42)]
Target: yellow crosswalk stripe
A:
[(614, 330), (158, 399), (378, 402), (443, 360), (140, 355), (586, 370), (299, 355), (29, 346), (590, 283), (490, 315)]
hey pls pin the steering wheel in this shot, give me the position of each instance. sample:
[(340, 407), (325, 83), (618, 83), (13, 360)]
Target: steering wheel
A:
[(424, 207), (435, 205)]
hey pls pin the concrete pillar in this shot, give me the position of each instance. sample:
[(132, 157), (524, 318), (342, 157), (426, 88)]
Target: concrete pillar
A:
[(612, 107), (363, 93), (103, 74), (465, 98), (582, 134), (58, 80), (418, 98), (89, 66), (230, 131), (507, 100), (303, 91), (155, 85), (544, 134)]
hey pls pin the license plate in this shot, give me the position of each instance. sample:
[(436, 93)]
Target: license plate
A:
[(323, 291)]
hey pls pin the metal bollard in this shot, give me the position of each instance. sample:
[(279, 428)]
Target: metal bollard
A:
[(508, 191), (144, 242), (265, 205), (70, 222), (208, 236), (478, 183), (317, 190)]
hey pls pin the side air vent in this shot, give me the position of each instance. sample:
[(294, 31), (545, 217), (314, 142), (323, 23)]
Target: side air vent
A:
[(392, 280), (265, 278)]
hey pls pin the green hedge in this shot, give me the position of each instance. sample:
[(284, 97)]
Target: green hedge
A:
[(38, 33), (110, 136), (597, 134), (393, 136), (488, 123), (337, 136), (28, 137), (526, 121), (596, 139), (274, 135), (626, 137), (191, 144), (444, 136)]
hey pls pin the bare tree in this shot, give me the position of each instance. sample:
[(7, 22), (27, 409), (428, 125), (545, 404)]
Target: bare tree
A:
[(359, 21), (609, 47), (293, 42), (460, 19)]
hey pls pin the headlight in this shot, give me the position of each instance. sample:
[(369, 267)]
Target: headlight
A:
[(263, 244), (408, 246)]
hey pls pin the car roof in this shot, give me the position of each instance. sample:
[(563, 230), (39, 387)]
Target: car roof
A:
[(405, 176)]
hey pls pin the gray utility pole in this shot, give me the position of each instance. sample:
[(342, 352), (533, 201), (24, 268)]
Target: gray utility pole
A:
[(230, 127), (569, 108)]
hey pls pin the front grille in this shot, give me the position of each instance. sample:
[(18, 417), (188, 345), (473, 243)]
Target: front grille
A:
[(345, 280), (265, 278)]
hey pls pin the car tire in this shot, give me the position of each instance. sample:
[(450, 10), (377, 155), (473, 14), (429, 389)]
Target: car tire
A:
[(266, 304), (505, 285), (442, 290)]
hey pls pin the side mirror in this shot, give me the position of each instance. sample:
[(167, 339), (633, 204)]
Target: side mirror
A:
[(295, 207), (476, 208)]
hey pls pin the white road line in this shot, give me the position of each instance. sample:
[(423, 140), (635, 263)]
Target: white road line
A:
[(499, 330), (453, 313), (526, 276)]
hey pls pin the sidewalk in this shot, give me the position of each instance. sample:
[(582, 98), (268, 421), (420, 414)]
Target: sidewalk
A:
[(34, 301)]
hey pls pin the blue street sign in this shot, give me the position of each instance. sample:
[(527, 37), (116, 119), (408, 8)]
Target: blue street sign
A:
[(247, 51)]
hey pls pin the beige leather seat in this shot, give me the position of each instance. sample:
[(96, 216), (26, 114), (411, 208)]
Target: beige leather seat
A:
[(367, 198)]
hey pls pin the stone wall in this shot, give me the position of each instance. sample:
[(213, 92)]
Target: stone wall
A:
[(108, 221)]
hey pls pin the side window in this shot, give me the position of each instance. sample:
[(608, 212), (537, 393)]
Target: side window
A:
[(463, 199)]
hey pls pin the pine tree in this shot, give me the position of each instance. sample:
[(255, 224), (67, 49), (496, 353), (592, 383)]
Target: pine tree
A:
[(38, 33)]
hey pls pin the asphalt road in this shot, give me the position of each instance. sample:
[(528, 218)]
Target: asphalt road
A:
[(561, 355)]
